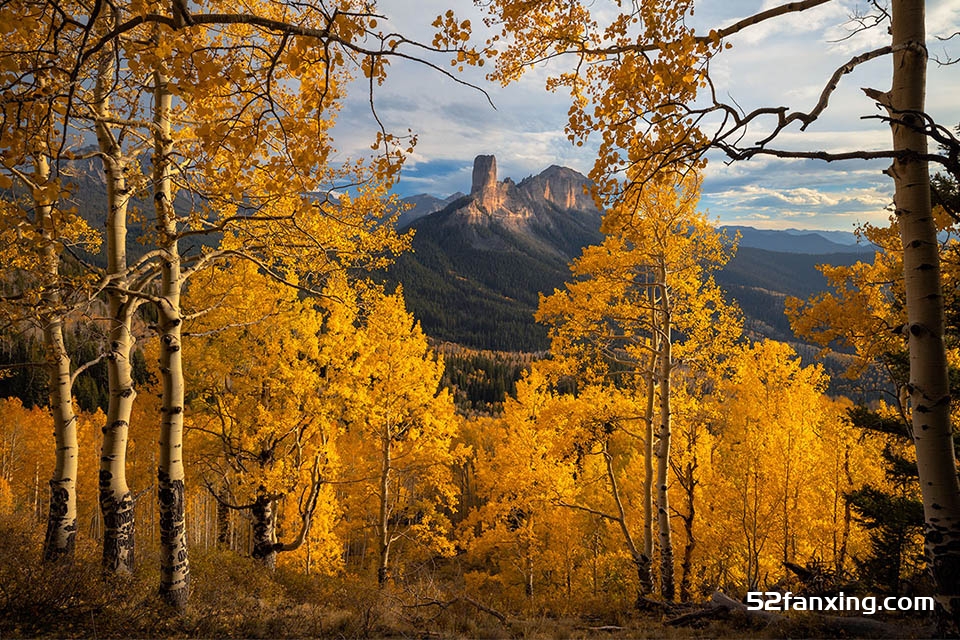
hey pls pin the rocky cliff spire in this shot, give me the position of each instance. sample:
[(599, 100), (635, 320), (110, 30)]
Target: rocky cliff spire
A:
[(485, 188)]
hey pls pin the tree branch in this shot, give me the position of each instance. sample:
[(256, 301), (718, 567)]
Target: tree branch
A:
[(85, 366), (579, 507)]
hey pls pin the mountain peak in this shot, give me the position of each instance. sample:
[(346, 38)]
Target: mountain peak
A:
[(485, 188), (561, 186), (484, 174)]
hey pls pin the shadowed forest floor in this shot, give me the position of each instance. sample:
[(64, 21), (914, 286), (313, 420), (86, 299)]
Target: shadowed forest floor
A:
[(233, 597)]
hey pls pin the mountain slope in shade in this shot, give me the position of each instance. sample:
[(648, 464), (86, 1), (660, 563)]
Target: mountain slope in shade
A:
[(760, 282), (481, 260)]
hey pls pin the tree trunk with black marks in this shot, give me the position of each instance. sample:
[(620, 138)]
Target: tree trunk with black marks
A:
[(265, 545), (528, 573), (665, 366), (641, 561), (61, 533), (383, 520), (62, 516), (689, 485), (646, 572), (929, 383), (174, 558), (116, 500)]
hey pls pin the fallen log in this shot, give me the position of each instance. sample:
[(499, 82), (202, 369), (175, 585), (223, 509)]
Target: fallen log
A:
[(479, 606), (706, 613), (723, 600)]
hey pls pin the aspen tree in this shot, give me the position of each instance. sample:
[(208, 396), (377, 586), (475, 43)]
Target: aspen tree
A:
[(865, 310), (649, 277), (242, 103), (399, 427), (254, 362), (525, 465), (116, 499), (38, 228)]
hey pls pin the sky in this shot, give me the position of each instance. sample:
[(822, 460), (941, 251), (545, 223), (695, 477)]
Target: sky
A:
[(784, 62)]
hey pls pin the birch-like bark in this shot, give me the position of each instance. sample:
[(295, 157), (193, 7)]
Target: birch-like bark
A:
[(174, 560), (116, 500), (223, 521), (665, 366), (929, 384), (62, 517), (646, 577), (383, 520), (841, 554), (528, 570), (689, 485)]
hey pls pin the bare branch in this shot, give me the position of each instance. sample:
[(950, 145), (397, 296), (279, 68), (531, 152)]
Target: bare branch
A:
[(221, 501), (85, 366), (835, 80), (474, 603), (725, 32), (280, 27), (600, 514), (735, 154)]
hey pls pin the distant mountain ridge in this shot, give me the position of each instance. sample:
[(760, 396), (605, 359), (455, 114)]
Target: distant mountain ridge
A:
[(798, 241), (480, 262), (421, 205)]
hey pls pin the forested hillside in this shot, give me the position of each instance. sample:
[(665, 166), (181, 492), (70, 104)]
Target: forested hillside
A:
[(239, 399)]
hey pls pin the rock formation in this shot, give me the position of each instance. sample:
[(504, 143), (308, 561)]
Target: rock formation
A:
[(488, 193), (560, 186)]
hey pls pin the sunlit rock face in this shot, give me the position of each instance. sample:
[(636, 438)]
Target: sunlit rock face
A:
[(535, 201), (551, 213), (485, 188), (560, 186)]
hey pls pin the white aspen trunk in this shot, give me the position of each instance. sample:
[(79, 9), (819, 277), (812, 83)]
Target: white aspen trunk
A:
[(841, 555), (646, 573), (929, 384), (62, 516), (663, 453), (223, 521), (785, 509), (37, 506), (383, 520), (174, 559), (528, 569), (689, 485), (116, 500)]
